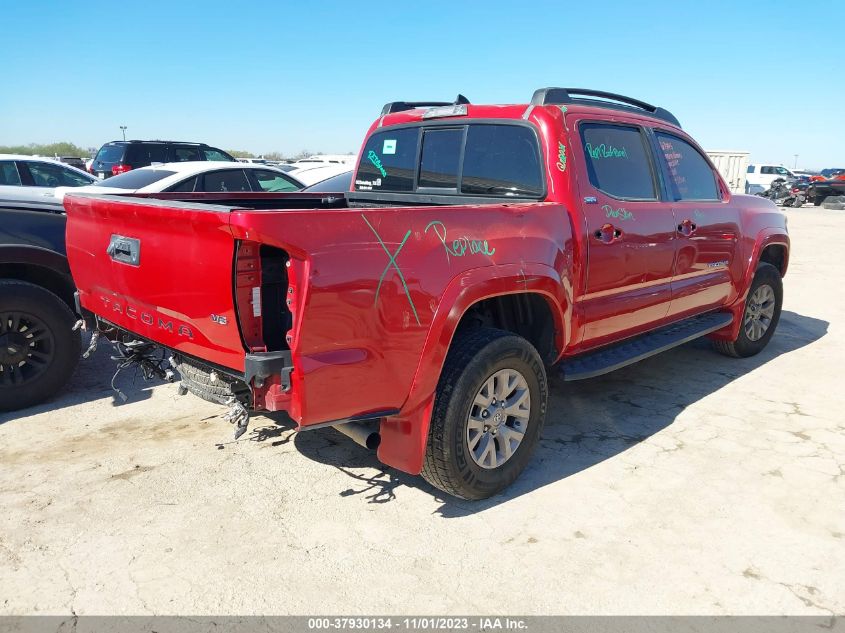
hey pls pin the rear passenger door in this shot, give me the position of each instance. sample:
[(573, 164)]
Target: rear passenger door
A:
[(707, 227), (630, 233)]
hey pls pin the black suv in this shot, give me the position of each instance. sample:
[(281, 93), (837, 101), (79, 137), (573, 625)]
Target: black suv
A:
[(118, 157)]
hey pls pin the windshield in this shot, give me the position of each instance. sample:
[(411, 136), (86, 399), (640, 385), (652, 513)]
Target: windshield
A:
[(135, 179), (110, 153)]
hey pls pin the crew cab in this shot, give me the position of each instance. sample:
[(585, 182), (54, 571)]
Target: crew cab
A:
[(480, 248)]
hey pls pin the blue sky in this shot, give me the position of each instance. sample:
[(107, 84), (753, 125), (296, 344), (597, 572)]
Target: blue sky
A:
[(287, 76)]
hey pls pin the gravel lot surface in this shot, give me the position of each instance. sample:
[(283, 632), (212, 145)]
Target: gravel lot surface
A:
[(689, 483)]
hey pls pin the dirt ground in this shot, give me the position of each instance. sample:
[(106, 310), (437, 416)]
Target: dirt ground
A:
[(689, 483)]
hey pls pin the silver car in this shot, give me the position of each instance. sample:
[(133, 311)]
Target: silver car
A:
[(28, 182)]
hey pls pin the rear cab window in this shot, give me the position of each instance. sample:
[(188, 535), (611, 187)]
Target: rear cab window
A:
[(472, 158)]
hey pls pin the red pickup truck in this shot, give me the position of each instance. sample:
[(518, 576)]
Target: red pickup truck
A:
[(481, 247)]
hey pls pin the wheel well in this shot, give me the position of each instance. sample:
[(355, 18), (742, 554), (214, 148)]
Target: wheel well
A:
[(56, 282), (527, 314), (774, 255)]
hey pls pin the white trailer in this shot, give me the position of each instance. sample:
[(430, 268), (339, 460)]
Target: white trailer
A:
[(733, 166)]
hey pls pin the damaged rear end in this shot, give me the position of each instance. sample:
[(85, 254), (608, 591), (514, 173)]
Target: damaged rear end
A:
[(170, 273)]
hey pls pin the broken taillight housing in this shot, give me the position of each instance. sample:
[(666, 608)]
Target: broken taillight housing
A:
[(261, 289), (248, 295)]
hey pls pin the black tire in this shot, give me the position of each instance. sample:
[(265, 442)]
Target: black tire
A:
[(38, 348), (474, 357), (743, 346)]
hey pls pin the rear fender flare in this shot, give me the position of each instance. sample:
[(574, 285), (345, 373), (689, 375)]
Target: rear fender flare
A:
[(36, 256), (404, 436)]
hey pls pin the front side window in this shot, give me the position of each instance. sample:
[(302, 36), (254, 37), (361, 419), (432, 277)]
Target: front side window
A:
[(618, 161), (50, 175), (767, 170), (389, 161), (691, 177), (225, 180), (273, 181), (9, 173)]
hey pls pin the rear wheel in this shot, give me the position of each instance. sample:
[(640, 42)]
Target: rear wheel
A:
[(761, 315), (38, 348), (488, 413)]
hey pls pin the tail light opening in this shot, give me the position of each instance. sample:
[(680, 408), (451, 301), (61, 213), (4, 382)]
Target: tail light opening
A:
[(120, 168), (261, 286)]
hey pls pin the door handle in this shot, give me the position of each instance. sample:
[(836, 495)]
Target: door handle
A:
[(687, 227), (607, 234)]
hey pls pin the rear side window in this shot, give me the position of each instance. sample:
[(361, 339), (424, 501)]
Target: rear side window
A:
[(498, 160), (691, 177), (389, 161), (502, 160), (183, 153), (186, 185), (225, 180), (273, 181), (215, 154), (441, 155), (750, 169), (144, 155), (9, 173), (110, 153), (618, 161), (135, 179)]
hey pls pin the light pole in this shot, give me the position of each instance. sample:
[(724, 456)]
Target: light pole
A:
[(123, 129), (795, 164)]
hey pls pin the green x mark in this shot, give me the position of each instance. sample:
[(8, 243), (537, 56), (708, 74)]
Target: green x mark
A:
[(392, 264)]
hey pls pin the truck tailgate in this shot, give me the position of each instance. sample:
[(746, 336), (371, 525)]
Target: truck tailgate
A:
[(161, 269)]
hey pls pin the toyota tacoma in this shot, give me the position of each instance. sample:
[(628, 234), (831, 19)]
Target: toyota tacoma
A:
[(480, 248)]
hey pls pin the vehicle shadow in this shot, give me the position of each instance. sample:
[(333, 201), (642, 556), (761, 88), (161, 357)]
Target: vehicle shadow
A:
[(92, 381), (588, 421)]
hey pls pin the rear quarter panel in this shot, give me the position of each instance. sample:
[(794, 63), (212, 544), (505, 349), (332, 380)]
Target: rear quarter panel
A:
[(381, 285)]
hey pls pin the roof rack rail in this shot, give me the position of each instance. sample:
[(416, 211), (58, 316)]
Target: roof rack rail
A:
[(561, 96), (401, 106)]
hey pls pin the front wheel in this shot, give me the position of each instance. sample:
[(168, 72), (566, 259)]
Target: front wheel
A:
[(760, 317), (489, 410)]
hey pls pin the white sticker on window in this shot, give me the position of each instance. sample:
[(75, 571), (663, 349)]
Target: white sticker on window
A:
[(389, 146)]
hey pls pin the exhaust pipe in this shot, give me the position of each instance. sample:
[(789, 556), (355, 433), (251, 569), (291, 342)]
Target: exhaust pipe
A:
[(360, 434)]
